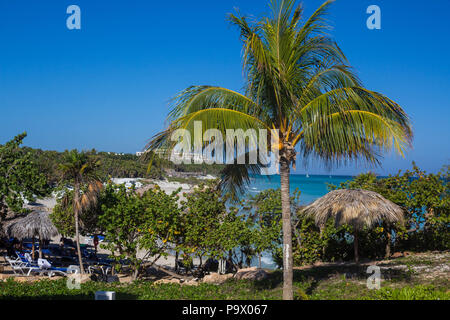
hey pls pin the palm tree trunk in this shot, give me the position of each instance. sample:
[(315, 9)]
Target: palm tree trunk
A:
[(77, 231), (77, 237), (40, 248), (388, 243), (32, 249), (287, 231), (355, 246)]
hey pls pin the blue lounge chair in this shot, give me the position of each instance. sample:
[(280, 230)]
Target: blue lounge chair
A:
[(24, 265), (15, 264), (45, 265)]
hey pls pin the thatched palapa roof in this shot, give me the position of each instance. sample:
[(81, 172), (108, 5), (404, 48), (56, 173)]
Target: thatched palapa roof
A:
[(358, 208), (35, 225)]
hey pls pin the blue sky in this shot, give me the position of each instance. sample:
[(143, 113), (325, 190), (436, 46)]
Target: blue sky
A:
[(107, 85)]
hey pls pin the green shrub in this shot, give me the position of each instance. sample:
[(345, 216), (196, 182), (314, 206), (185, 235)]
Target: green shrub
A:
[(300, 295)]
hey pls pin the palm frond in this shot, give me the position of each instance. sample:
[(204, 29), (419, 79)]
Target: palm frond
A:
[(355, 98), (351, 134), (218, 119), (235, 177), (196, 98)]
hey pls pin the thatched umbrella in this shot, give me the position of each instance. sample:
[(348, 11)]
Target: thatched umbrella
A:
[(35, 225), (358, 208)]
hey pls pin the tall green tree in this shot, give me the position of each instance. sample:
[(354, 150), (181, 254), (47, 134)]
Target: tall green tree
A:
[(20, 179), (64, 219), (80, 172), (204, 214), (133, 222), (299, 82)]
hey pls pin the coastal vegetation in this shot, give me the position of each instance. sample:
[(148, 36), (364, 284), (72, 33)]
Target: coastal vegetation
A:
[(204, 226), (131, 222), (232, 290), (321, 282), (201, 226), (424, 197), (298, 82), (20, 179)]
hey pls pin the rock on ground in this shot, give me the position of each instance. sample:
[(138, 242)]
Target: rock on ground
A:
[(217, 278), (253, 274), (166, 281), (177, 281)]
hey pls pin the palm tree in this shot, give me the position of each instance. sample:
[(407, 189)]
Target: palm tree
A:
[(80, 171), (299, 82)]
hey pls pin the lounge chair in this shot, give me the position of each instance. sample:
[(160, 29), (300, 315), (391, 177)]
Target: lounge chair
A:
[(30, 259), (26, 259), (47, 267), (22, 265), (15, 264), (10, 260), (105, 269)]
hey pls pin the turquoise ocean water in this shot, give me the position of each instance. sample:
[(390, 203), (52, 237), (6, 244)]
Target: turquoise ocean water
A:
[(312, 187)]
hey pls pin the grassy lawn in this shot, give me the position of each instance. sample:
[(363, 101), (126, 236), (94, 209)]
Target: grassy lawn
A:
[(231, 290), (422, 277)]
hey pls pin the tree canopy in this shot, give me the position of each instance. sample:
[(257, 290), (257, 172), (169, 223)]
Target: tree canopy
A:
[(20, 178)]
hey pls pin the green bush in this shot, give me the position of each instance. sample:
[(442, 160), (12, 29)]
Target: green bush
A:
[(230, 290), (138, 290)]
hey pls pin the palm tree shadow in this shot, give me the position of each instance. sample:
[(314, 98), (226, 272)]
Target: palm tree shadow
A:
[(313, 286), (315, 274)]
